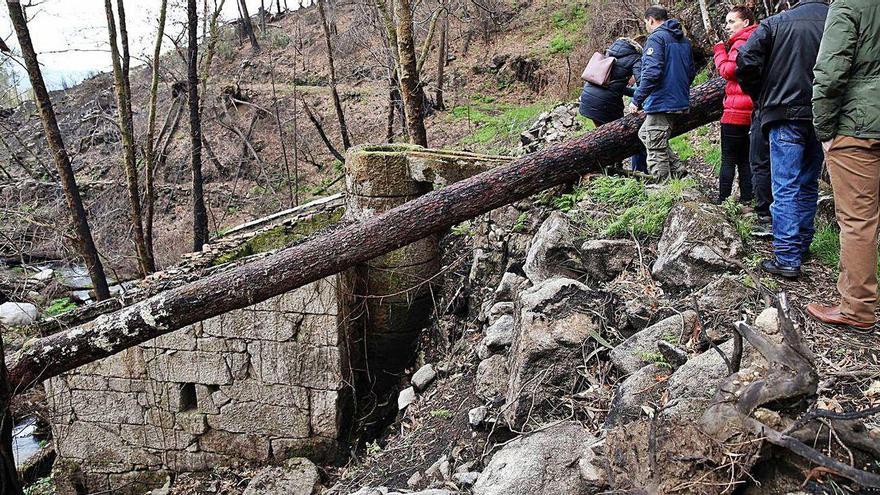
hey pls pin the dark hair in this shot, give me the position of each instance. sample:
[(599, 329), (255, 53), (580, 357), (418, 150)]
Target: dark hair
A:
[(744, 13), (656, 12)]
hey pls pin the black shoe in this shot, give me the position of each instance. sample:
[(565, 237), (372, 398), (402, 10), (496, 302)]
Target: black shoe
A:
[(763, 227), (807, 256), (771, 266)]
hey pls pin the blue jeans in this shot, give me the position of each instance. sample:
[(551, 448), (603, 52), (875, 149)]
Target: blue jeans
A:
[(640, 162), (796, 161)]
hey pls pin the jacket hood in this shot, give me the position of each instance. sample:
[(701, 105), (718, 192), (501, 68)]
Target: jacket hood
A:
[(674, 28), (743, 34)]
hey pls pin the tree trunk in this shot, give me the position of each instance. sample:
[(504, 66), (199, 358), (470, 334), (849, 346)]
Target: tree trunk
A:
[(429, 38), (441, 63), (337, 103), (324, 255), (211, 49), (56, 144), (248, 25), (126, 127), (410, 86), (9, 483), (150, 143), (200, 214), (707, 22)]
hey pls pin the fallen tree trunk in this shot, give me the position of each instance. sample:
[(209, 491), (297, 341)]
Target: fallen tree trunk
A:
[(331, 253)]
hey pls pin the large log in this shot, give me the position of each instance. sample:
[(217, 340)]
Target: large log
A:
[(343, 248)]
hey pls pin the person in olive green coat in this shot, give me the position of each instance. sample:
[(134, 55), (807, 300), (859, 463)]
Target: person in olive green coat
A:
[(846, 115)]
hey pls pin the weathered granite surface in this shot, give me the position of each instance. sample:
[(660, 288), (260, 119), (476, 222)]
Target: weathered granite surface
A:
[(260, 384)]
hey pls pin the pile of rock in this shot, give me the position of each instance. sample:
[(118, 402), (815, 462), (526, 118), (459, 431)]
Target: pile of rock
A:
[(554, 126)]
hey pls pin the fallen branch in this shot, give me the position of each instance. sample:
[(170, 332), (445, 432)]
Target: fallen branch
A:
[(321, 132), (345, 247)]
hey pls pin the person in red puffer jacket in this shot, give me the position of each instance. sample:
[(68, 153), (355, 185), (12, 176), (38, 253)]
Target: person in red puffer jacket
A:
[(737, 117)]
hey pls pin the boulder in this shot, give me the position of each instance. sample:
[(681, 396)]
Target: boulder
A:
[(406, 397), (498, 310), (423, 377), (635, 391), (17, 314), (541, 463), (492, 376), (641, 349), (638, 313), (552, 333), (696, 239), (508, 287), (722, 294), (605, 259), (499, 335), (477, 415), (552, 254), (298, 477)]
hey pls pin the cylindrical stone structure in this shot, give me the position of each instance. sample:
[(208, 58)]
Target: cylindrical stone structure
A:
[(390, 300)]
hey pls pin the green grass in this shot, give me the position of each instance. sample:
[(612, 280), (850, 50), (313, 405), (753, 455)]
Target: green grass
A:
[(441, 413), (58, 306), (744, 224), (642, 212), (697, 143), (570, 19), (496, 123), (826, 245), (702, 77), (560, 44)]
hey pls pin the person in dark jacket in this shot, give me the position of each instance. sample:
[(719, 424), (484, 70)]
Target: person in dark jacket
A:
[(846, 115), (603, 104), (664, 89), (775, 67), (737, 116)]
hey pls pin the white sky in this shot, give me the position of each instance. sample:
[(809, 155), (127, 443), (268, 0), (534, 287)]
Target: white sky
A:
[(64, 32)]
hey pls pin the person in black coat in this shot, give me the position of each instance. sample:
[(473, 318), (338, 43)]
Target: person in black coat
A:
[(603, 104)]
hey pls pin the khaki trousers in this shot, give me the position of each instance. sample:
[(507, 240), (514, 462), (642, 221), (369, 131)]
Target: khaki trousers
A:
[(655, 134), (854, 166)]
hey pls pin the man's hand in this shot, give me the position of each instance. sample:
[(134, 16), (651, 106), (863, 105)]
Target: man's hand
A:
[(826, 145), (633, 108)]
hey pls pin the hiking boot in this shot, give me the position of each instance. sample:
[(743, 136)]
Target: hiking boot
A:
[(831, 315), (772, 266)]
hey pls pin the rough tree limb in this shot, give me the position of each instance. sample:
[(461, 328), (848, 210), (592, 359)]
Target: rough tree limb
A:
[(332, 253), (791, 374)]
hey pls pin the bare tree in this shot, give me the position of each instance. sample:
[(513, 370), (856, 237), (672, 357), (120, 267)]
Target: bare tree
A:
[(441, 62), (121, 64), (200, 214), (87, 247), (410, 85), (248, 25), (337, 103), (150, 144)]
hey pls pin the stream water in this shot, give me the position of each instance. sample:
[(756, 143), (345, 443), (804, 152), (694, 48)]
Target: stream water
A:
[(24, 445)]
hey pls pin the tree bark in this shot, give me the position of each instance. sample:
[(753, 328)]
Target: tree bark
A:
[(211, 49), (345, 247), (150, 141), (441, 63), (337, 103), (410, 86), (200, 213), (86, 243), (429, 38), (248, 25), (126, 126), (9, 482)]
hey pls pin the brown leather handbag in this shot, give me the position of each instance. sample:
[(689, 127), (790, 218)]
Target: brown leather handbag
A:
[(598, 70)]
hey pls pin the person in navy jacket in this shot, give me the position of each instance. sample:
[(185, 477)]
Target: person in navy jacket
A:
[(664, 89), (603, 104)]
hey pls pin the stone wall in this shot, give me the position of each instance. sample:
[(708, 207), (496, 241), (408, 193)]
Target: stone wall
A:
[(259, 384)]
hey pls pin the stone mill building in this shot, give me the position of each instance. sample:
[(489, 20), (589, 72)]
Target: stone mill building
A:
[(270, 381)]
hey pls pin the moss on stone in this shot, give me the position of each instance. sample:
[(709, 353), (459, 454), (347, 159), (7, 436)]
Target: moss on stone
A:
[(281, 236)]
